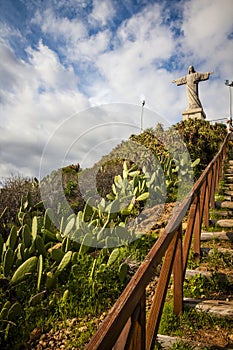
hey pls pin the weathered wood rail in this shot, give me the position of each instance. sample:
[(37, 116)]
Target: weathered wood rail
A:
[(126, 325)]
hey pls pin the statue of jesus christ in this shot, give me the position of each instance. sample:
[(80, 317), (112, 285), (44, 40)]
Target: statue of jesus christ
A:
[(191, 80)]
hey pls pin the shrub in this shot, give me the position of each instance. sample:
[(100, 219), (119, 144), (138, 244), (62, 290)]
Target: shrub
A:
[(16, 189)]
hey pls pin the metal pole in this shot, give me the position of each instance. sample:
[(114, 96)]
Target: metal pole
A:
[(143, 104), (230, 102), (230, 84)]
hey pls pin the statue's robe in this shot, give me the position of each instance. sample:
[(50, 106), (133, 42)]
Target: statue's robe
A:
[(191, 80)]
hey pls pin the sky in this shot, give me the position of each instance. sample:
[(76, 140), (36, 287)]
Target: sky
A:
[(74, 73)]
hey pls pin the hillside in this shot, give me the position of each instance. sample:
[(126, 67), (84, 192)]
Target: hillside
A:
[(195, 138), (49, 280)]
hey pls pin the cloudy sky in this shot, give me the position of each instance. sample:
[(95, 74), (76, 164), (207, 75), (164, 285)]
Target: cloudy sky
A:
[(74, 73)]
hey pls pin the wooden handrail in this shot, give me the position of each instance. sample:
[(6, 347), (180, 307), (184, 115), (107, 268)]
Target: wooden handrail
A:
[(125, 326)]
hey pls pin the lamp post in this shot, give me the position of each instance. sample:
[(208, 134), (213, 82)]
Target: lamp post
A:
[(143, 104), (230, 84)]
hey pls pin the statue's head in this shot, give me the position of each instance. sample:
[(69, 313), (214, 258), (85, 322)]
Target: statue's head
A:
[(191, 69)]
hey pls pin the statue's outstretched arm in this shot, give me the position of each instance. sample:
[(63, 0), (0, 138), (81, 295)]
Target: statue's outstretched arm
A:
[(180, 81)]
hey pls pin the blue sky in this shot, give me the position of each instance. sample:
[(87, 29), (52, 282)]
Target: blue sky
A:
[(61, 60)]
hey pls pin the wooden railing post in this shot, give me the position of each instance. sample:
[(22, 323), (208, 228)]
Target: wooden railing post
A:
[(178, 276), (136, 339), (197, 231), (189, 233), (202, 197), (213, 183), (206, 218), (160, 295)]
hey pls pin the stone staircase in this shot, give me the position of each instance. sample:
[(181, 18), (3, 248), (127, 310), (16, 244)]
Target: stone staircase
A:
[(218, 239)]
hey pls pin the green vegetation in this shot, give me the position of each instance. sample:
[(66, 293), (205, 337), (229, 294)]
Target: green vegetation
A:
[(193, 325), (46, 277), (76, 269), (201, 286), (15, 190), (191, 321)]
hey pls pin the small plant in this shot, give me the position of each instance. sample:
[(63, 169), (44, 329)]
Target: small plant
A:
[(219, 260), (70, 188), (181, 345), (193, 263), (169, 323), (196, 286)]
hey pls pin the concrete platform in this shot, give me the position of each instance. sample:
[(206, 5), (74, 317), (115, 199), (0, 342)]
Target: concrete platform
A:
[(219, 308), (222, 235)]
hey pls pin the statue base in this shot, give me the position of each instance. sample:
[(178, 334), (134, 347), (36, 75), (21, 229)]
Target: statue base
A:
[(196, 113)]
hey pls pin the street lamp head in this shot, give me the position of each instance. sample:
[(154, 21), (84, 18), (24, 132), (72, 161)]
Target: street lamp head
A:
[(229, 83)]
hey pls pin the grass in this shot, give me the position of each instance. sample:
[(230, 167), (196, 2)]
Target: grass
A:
[(217, 259), (200, 286), (219, 264), (191, 325)]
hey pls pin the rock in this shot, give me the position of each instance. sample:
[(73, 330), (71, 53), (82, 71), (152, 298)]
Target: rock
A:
[(225, 223), (225, 204), (225, 236), (217, 307), (229, 193), (223, 213)]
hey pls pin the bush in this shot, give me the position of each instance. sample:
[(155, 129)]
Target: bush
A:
[(202, 140), (16, 189)]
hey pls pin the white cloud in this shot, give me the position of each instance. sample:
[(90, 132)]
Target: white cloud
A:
[(102, 13), (50, 72), (10, 68), (41, 94), (77, 45), (206, 26), (133, 67), (60, 28), (88, 49)]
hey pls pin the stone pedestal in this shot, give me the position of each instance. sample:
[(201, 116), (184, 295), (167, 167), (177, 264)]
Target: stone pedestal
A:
[(196, 113)]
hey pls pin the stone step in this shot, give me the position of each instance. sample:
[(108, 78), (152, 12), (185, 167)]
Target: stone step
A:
[(192, 273), (167, 342), (228, 177), (222, 235), (222, 277), (229, 193), (209, 251), (219, 308), (225, 223), (224, 204), (223, 213), (230, 186), (227, 198)]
